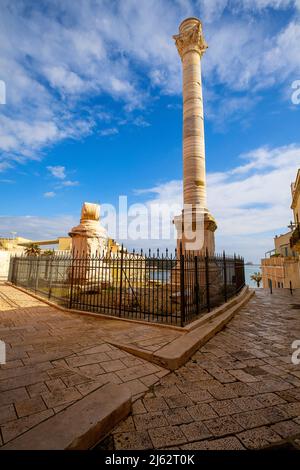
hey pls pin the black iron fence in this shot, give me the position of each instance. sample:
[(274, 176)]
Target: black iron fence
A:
[(154, 287)]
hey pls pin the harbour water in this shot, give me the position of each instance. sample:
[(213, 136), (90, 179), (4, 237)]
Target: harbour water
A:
[(163, 276), (249, 270)]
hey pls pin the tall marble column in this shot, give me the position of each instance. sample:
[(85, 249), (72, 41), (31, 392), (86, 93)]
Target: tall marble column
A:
[(191, 46)]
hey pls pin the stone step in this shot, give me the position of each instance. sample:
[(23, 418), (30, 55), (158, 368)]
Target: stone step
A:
[(80, 426), (177, 353)]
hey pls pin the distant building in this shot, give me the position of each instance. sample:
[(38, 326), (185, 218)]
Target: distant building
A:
[(281, 266), (18, 244), (61, 245), (13, 244), (295, 238)]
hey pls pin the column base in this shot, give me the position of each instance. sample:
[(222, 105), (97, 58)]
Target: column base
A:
[(196, 231)]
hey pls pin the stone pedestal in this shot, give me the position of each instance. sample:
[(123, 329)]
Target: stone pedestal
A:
[(191, 46), (195, 232), (89, 238)]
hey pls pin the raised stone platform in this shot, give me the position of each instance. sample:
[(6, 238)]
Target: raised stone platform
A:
[(59, 363)]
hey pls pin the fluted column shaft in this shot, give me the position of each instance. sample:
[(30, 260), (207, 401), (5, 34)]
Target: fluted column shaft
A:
[(194, 180), (191, 46)]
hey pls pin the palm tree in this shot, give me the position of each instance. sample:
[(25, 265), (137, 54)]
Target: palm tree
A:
[(32, 250), (48, 253), (256, 277)]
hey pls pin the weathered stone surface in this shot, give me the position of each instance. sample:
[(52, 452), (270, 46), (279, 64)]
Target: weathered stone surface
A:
[(201, 412), (286, 428), (237, 414), (30, 406), (195, 431), (259, 437), (7, 413), (88, 238), (225, 407), (19, 426), (223, 426), (252, 329), (146, 421), (139, 440), (167, 436), (11, 396), (81, 425), (155, 404), (65, 362), (227, 443), (178, 416)]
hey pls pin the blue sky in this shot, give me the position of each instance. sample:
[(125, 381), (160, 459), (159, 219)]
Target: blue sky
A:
[(93, 111)]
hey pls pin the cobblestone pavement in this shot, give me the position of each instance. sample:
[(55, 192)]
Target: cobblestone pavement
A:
[(239, 391), (56, 358)]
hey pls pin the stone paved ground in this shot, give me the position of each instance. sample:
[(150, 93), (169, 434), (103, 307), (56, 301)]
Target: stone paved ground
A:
[(239, 391), (56, 358)]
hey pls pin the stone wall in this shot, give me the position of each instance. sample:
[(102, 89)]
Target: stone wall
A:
[(4, 264), (281, 271)]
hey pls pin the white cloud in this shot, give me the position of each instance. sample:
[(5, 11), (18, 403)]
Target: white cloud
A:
[(141, 122), (247, 209), (124, 50), (49, 194), (109, 131), (213, 9), (4, 166), (37, 228), (57, 171), (60, 173), (263, 4), (65, 80), (69, 183), (7, 181)]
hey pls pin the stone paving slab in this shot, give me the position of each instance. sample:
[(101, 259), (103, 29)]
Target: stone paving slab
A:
[(79, 426), (244, 389), (55, 359)]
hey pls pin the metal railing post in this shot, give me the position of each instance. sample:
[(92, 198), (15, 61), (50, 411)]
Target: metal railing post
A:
[(50, 279), (16, 270), (12, 273), (37, 274), (121, 281), (225, 276), (207, 280), (196, 285), (236, 274), (182, 287), (72, 281)]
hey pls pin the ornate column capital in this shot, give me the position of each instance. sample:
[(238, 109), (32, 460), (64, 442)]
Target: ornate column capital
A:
[(190, 38)]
